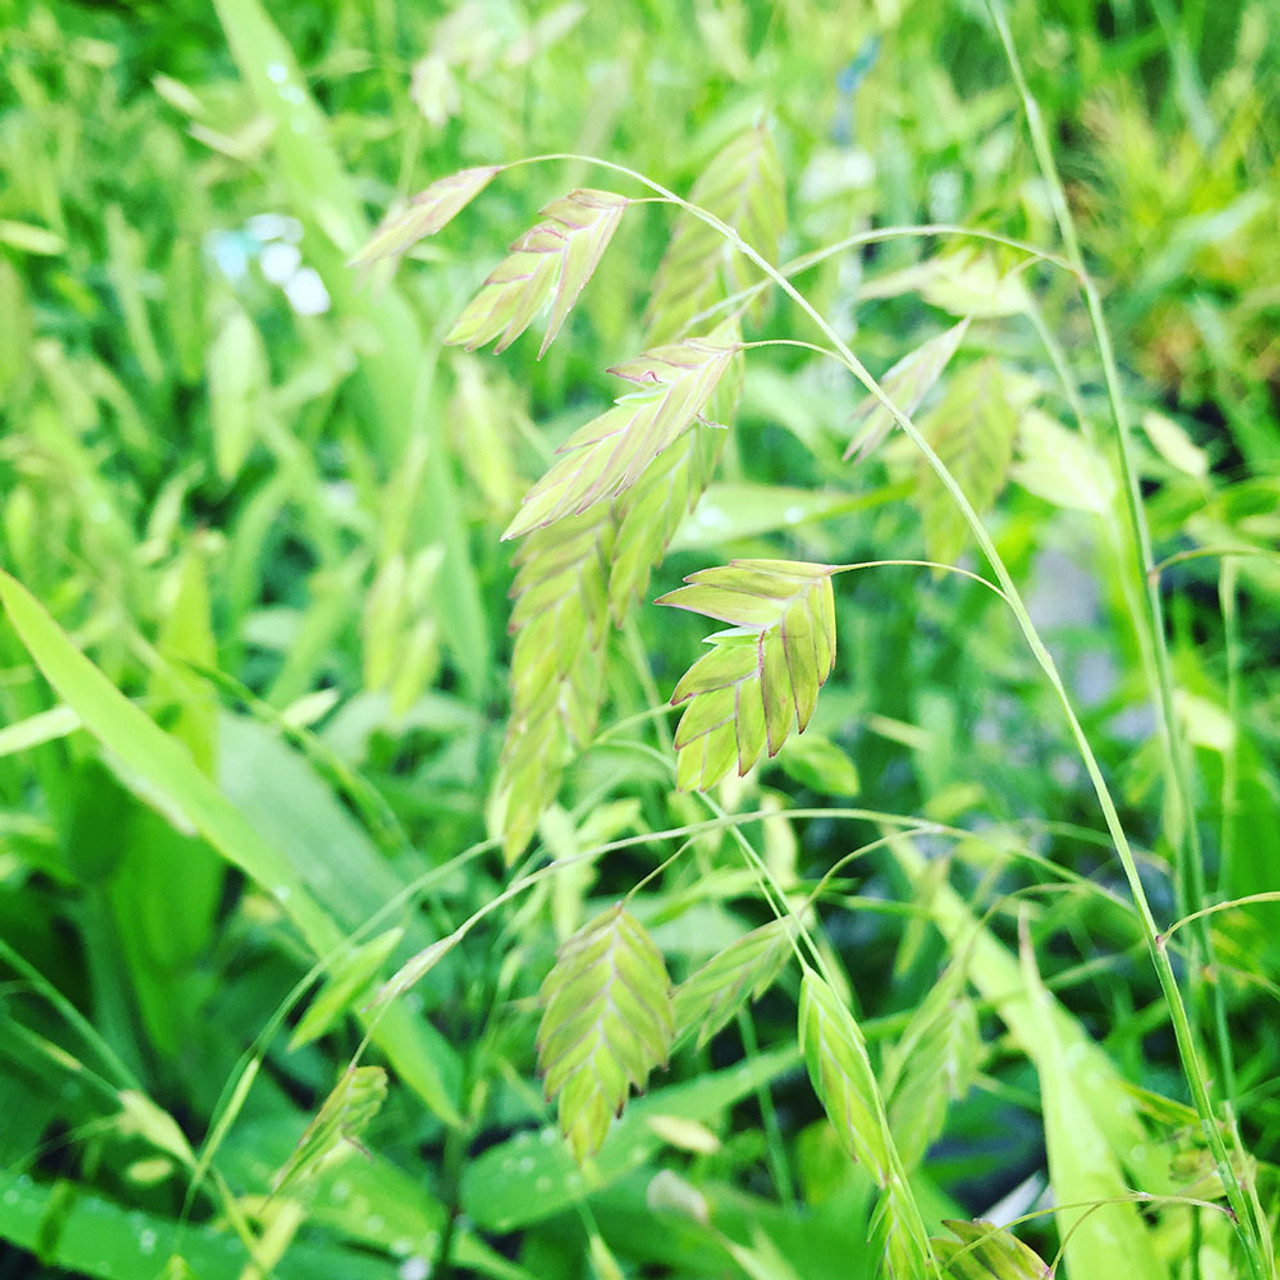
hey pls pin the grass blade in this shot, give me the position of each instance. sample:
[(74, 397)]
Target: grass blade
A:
[(168, 767)]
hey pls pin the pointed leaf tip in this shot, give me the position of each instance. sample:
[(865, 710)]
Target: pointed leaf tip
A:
[(552, 261), (425, 214), (612, 452)]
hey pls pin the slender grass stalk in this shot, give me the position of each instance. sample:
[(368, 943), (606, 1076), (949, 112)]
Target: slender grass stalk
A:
[(1230, 758), (1188, 851)]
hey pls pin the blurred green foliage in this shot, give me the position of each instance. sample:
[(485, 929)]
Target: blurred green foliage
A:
[(253, 488)]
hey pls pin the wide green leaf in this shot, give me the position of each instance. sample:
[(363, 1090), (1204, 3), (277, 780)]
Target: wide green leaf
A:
[(532, 1176), (326, 200), (166, 767), (1103, 1230)]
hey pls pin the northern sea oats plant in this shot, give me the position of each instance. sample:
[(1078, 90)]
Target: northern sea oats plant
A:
[(253, 755)]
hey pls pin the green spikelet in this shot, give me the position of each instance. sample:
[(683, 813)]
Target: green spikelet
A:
[(650, 513), (972, 429), (606, 1024), (836, 1054), (557, 667), (746, 969), (743, 187), (337, 1128), (610, 454), (425, 214), (763, 674), (983, 1251), (552, 718), (552, 261)]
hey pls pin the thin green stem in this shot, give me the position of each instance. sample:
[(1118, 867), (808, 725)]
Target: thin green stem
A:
[(785, 342), (1210, 553), (1230, 905), (775, 1146), (1230, 757), (936, 565), (1191, 884)]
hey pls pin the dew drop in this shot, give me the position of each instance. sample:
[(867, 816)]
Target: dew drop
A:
[(277, 73)]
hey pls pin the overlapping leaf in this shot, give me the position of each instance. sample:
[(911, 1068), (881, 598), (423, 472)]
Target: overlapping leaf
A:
[(983, 1251), (606, 1024), (743, 187), (336, 1130), (425, 214), (612, 451), (906, 384), (763, 675), (745, 969), (554, 259)]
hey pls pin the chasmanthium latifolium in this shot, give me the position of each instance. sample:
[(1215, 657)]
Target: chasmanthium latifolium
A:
[(596, 525), (593, 528)]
